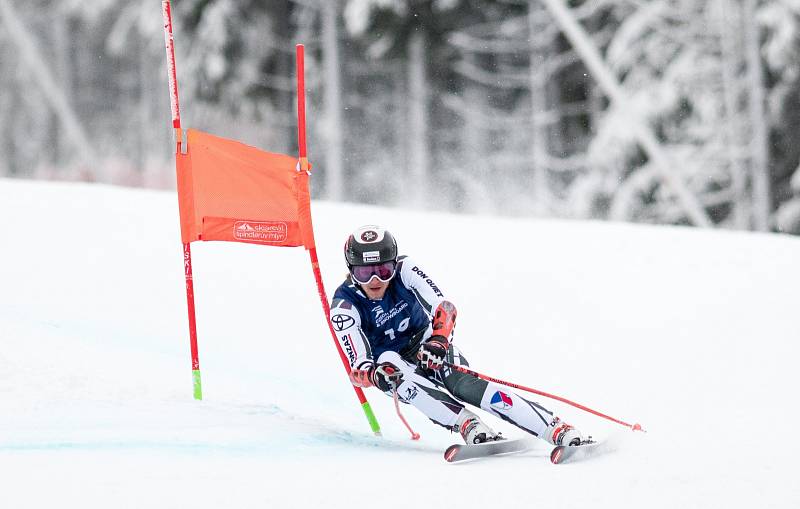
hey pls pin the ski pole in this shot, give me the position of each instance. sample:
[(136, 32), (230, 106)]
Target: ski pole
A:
[(467, 371), (414, 434)]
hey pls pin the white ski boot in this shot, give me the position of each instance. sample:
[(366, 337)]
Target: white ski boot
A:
[(473, 430), (561, 433)]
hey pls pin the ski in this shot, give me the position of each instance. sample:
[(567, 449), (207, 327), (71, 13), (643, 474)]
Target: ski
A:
[(559, 455), (568, 453), (462, 452)]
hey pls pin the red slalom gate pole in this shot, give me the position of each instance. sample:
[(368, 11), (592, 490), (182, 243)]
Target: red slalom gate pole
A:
[(467, 371), (310, 244), (187, 252)]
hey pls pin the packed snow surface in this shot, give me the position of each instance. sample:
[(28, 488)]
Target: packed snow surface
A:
[(692, 333)]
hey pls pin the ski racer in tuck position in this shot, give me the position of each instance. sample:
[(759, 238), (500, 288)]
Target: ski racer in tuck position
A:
[(396, 329)]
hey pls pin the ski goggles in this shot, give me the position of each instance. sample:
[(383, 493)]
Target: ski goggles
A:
[(364, 273)]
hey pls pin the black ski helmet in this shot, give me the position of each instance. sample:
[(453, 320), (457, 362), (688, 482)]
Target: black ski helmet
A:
[(369, 245)]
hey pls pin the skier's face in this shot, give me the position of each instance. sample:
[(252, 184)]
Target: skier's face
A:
[(375, 288)]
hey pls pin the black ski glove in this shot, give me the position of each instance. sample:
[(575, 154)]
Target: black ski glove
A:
[(387, 377), (431, 353)]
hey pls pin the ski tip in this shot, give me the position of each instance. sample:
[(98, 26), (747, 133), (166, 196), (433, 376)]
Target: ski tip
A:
[(450, 453), (563, 453)]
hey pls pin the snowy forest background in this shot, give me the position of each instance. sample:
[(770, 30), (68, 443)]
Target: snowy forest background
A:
[(663, 111)]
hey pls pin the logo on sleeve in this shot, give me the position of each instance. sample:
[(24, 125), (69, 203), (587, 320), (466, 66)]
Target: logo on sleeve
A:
[(349, 349), (428, 280), (342, 322)]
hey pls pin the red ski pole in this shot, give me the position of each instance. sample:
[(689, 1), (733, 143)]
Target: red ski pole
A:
[(414, 434), (467, 371)]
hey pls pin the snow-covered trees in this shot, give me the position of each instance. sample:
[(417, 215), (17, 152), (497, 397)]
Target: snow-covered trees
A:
[(686, 73), (675, 111), (79, 91)]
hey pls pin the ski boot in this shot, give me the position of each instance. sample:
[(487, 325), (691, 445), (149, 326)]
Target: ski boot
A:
[(473, 430), (561, 433)]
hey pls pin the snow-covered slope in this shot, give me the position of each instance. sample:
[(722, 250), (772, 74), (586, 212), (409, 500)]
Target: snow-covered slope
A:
[(692, 333)]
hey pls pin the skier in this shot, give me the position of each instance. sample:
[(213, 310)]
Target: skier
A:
[(396, 329)]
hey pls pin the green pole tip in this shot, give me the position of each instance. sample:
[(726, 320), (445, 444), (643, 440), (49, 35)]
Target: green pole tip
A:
[(198, 389), (373, 422)]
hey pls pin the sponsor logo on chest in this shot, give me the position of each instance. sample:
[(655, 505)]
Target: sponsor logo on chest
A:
[(381, 316)]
